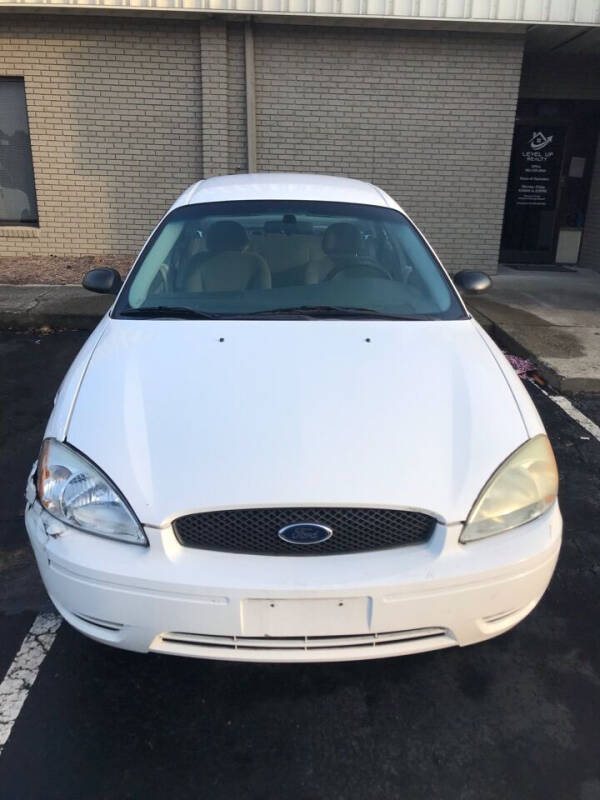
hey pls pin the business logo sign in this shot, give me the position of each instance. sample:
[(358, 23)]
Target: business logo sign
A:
[(535, 167), (538, 141)]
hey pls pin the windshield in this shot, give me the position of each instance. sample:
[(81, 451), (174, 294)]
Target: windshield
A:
[(289, 258)]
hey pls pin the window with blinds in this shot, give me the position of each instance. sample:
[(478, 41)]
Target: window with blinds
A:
[(18, 205)]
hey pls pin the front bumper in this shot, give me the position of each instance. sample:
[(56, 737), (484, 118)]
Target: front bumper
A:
[(169, 599)]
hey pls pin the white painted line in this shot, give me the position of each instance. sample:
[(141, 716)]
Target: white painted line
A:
[(568, 407), (23, 671), (585, 422)]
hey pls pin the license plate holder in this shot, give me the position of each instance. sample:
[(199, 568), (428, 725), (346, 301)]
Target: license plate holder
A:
[(306, 617)]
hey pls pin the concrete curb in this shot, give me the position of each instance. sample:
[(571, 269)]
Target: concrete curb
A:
[(34, 307), (510, 344), (36, 321), (523, 340)]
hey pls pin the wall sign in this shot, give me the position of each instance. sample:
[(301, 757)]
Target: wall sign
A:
[(535, 168)]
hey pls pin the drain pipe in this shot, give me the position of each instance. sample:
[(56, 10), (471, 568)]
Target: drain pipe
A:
[(250, 96)]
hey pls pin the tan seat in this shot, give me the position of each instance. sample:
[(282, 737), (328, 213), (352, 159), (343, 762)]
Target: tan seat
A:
[(282, 252), (340, 245), (227, 266), (288, 248)]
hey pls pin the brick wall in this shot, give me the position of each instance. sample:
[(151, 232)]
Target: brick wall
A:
[(236, 93), (214, 69), (125, 113), (115, 120), (428, 116)]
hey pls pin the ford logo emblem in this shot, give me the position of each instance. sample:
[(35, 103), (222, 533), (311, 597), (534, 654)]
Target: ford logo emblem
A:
[(305, 533)]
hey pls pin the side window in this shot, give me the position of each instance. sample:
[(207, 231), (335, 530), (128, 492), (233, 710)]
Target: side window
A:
[(18, 204)]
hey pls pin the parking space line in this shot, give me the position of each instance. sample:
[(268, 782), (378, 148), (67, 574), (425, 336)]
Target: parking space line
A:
[(585, 422), (568, 407), (23, 671)]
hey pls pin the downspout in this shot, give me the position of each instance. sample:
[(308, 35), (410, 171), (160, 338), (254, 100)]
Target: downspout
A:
[(250, 96)]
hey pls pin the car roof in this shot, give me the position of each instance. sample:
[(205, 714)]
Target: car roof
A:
[(285, 186)]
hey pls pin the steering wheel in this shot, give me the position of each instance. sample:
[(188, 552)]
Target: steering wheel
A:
[(360, 263), (160, 284)]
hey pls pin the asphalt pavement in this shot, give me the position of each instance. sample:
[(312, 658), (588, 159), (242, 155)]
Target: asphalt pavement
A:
[(516, 717), (551, 316)]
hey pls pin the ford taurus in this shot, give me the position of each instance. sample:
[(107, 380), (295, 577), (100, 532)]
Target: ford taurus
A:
[(288, 440)]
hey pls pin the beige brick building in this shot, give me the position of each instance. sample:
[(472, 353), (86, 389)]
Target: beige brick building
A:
[(124, 112)]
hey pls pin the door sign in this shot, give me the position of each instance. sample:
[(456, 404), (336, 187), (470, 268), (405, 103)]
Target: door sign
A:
[(535, 169)]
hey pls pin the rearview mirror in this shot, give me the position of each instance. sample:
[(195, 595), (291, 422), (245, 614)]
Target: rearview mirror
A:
[(472, 280), (103, 280)]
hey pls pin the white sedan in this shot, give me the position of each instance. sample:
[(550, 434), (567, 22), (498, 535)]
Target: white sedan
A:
[(288, 440)]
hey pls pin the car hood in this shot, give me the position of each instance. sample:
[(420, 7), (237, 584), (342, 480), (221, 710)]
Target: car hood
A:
[(194, 415)]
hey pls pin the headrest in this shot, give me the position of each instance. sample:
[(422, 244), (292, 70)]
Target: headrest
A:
[(226, 235), (288, 225), (303, 227), (341, 239), (273, 226)]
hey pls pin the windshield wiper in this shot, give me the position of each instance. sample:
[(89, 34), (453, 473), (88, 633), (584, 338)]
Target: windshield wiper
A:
[(184, 312), (294, 312), (175, 312), (333, 312)]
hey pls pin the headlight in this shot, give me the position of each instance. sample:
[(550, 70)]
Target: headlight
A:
[(521, 489), (76, 492)]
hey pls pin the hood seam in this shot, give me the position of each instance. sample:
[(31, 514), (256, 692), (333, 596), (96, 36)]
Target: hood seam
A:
[(482, 336), (69, 416)]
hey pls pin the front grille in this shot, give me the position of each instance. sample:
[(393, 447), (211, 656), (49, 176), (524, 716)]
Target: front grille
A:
[(255, 530), (304, 643)]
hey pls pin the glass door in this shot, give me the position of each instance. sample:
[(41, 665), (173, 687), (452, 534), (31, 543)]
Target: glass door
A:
[(548, 184)]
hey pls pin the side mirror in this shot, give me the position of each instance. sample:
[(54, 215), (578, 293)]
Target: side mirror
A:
[(471, 280), (103, 280)]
